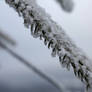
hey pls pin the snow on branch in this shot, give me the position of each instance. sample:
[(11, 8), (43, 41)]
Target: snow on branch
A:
[(43, 27)]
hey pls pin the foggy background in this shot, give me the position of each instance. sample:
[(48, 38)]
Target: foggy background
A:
[(15, 77)]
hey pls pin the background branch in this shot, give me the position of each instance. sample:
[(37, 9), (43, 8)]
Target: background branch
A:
[(31, 67), (67, 5), (6, 38)]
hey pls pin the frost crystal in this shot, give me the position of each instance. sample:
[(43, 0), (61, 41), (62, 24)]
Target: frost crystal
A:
[(43, 27)]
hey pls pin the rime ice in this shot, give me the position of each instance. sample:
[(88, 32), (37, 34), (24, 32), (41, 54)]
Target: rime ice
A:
[(43, 27)]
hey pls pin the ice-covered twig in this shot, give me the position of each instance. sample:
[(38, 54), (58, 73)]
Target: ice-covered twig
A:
[(43, 27)]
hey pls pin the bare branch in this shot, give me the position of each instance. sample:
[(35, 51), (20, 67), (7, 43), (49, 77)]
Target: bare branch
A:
[(6, 38), (31, 67), (67, 5)]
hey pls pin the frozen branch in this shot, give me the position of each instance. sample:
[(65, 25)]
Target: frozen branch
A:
[(43, 27)]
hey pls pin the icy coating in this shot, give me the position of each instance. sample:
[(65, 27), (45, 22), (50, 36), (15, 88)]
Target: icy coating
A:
[(43, 27)]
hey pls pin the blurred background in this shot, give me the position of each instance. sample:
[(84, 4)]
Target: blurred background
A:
[(15, 77)]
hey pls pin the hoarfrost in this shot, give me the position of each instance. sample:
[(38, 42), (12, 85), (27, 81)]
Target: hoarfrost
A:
[(42, 26)]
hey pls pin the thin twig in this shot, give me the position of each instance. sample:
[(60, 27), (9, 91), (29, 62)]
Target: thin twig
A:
[(34, 69), (6, 38)]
